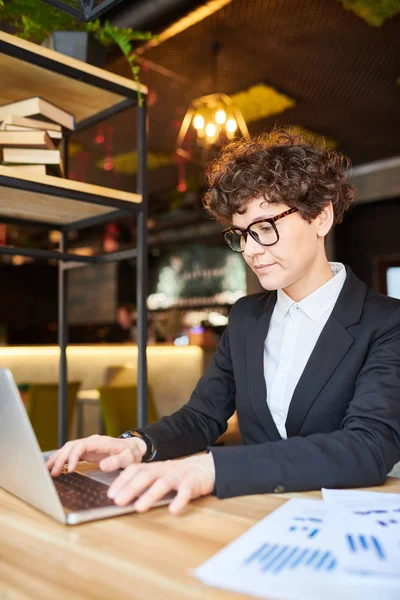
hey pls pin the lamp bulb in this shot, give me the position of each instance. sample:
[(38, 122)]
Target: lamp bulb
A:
[(211, 130), (231, 125), (198, 122), (220, 117)]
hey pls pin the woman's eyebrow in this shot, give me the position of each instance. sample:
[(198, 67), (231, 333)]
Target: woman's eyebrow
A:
[(260, 218)]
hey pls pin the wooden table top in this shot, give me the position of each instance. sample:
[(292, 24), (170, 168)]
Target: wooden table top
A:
[(147, 556)]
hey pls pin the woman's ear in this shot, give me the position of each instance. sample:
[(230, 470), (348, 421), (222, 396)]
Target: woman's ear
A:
[(325, 220)]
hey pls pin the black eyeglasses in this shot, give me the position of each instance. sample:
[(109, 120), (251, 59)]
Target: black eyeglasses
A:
[(264, 232)]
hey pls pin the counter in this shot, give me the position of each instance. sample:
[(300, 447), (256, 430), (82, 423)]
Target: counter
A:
[(172, 371)]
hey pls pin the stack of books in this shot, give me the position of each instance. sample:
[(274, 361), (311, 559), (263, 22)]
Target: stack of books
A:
[(31, 131)]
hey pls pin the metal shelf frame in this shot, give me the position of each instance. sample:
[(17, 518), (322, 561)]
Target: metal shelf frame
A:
[(122, 208)]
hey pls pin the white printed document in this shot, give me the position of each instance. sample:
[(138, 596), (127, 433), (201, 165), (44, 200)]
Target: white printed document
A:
[(366, 530), (348, 499), (301, 551)]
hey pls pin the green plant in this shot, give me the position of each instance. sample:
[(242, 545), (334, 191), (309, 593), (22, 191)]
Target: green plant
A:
[(34, 20), (108, 34), (374, 12)]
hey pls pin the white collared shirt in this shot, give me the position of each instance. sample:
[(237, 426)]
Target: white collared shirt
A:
[(293, 332)]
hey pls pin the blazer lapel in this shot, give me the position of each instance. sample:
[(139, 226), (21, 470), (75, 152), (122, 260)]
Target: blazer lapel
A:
[(255, 369), (330, 349)]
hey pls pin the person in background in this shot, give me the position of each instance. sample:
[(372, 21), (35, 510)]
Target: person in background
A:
[(312, 366), (125, 329)]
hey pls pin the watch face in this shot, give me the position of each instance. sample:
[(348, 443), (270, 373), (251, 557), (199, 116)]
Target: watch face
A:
[(127, 434)]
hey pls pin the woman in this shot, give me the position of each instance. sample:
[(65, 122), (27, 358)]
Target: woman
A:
[(312, 366)]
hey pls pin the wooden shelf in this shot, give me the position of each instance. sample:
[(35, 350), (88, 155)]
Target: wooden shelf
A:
[(91, 95), (28, 69), (56, 200)]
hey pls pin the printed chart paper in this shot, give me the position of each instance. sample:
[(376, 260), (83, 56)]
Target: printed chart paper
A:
[(367, 533), (298, 552)]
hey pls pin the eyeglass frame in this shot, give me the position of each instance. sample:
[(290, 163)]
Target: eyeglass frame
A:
[(247, 231)]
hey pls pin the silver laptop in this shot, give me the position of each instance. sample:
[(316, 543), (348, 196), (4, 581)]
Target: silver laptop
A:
[(70, 498)]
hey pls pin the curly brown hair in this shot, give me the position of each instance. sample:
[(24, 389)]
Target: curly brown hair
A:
[(281, 168)]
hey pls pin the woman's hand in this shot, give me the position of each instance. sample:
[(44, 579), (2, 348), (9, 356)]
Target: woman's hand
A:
[(189, 477), (110, 453)]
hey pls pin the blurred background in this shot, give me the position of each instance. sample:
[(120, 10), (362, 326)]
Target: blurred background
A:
[(327, 68)]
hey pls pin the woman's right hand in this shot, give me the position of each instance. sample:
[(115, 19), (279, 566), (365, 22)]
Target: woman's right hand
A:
[(110, 453)]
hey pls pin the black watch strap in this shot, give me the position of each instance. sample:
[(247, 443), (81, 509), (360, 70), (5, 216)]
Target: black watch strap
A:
[(151, 451)]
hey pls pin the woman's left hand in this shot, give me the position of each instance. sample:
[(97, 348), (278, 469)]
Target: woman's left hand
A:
[(189, 477)]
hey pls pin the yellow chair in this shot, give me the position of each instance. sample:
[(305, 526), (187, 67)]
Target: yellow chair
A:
[(42, 408), (119, 407)]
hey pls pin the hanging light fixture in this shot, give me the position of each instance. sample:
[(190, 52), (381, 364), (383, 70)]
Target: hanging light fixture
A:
[(84, 10), (214, 118)]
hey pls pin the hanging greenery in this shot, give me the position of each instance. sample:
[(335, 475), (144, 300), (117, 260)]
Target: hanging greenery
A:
[(108, 34), (34, 20), (261, 101), (313, 137), (127, 163), (374, 12)]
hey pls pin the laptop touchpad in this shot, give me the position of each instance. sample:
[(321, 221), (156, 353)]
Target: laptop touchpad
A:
[(99, 475)]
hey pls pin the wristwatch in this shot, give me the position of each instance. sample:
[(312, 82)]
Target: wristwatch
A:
[(151, 451)]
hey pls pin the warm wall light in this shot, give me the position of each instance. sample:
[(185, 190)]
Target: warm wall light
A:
[(216, 120), (55, 236)]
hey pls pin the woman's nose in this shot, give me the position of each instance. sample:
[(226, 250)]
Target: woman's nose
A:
[(251, 247)]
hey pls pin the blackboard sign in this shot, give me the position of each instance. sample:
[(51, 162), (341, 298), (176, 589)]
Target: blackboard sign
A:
[(92, 294), (195, 275)]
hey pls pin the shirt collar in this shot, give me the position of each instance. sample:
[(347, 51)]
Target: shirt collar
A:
[(316, 304)]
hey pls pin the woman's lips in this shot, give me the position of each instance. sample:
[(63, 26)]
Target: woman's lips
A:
[(263, 268)]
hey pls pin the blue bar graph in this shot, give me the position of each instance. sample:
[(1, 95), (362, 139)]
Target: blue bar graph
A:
[(269, 552), (360, 543), (285, 560), (378, 547), (255, 554), (321, 561), (332, 565), (351, 543), (299, 559), (313, 556), (275, 558)]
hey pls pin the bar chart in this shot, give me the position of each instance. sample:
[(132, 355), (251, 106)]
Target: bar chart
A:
[(365, 543), (277, 558)]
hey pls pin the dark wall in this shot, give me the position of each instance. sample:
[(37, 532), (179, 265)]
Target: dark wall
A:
[(28, 306), (369, 230), (126, 279)]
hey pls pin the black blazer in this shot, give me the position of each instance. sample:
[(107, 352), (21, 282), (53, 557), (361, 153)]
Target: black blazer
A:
[(343, 424)]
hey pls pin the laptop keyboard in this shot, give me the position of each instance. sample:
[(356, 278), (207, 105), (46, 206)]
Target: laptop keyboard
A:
[(78, 492)]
